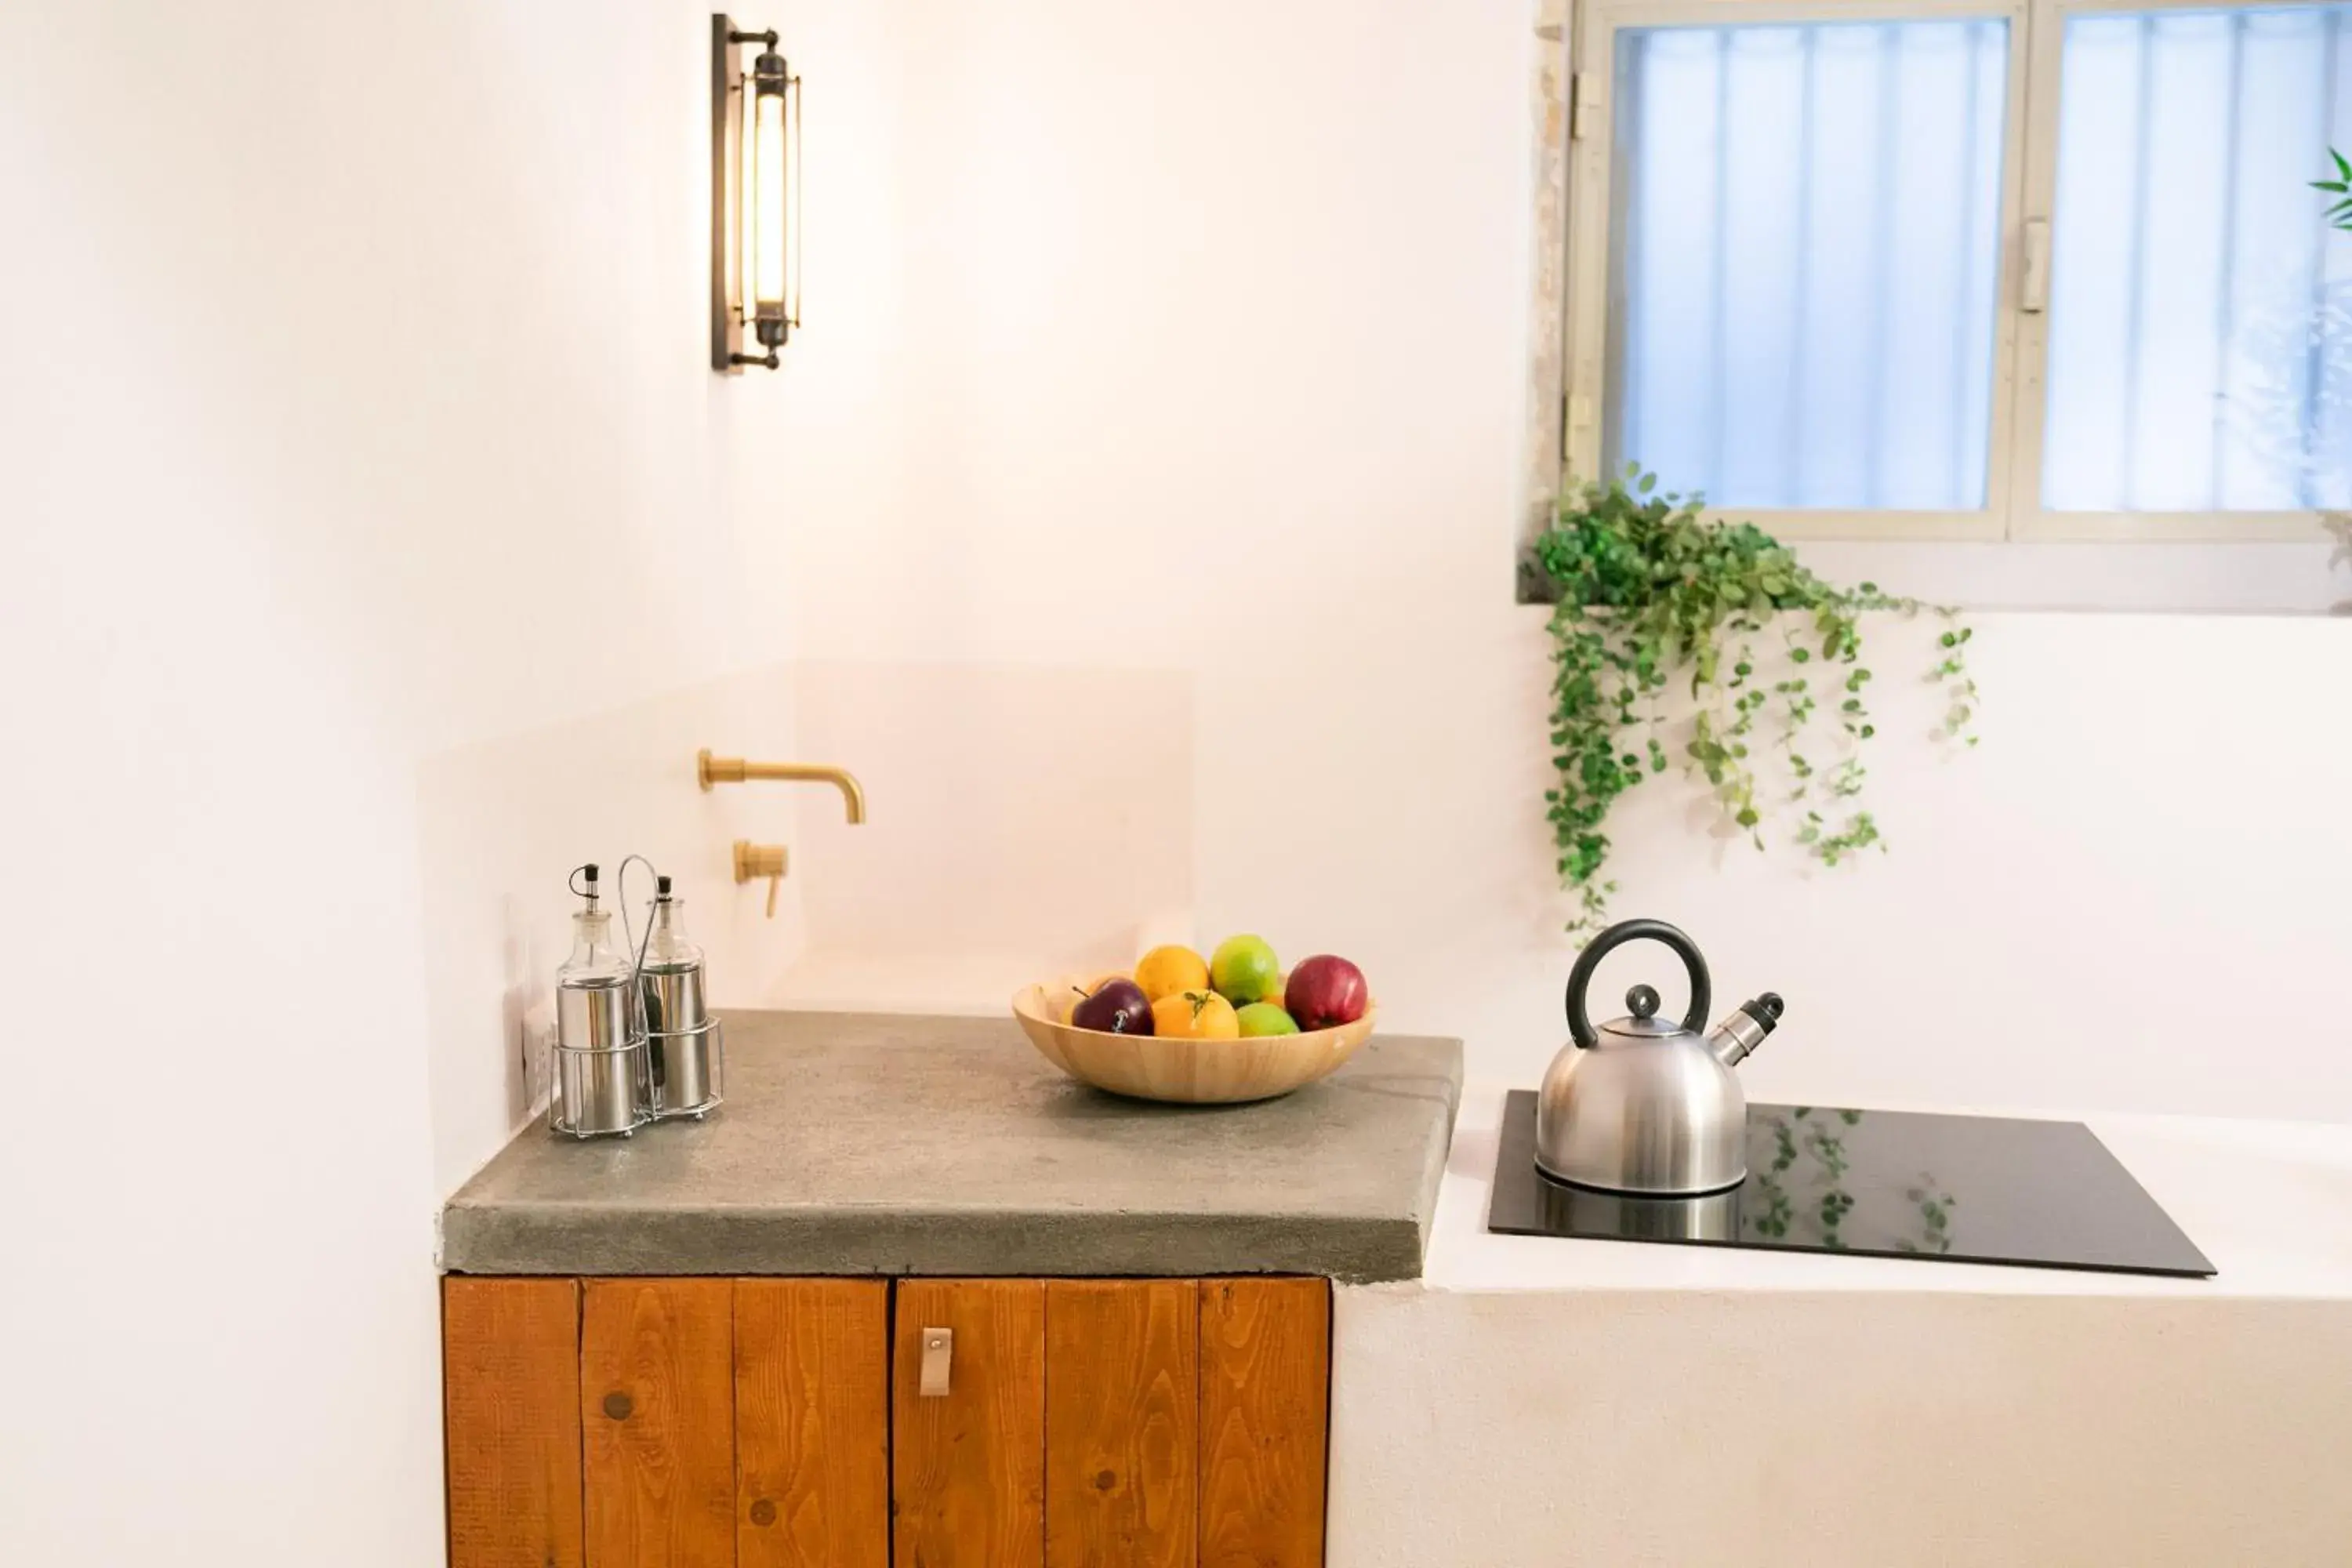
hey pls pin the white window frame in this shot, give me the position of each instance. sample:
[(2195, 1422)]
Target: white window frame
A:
[(2029, 179)]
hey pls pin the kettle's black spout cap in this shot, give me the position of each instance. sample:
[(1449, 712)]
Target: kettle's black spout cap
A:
[(1765, 1009)]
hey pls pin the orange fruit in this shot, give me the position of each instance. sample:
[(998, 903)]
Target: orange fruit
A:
[(1199, 1014), (1171, 970)]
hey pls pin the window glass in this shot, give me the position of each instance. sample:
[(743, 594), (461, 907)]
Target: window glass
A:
[(2200, 314), (1805, 258)]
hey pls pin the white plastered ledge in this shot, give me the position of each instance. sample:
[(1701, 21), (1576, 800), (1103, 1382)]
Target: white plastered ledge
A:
[(1550, 1404)]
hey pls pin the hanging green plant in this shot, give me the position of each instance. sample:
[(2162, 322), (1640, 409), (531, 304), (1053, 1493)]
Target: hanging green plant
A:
[(1649, 592)]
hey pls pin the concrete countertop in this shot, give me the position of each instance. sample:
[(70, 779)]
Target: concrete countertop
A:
[(886, 1143)]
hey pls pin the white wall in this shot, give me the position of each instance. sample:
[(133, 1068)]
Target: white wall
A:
[(352, 412), (356, 457), (1206, 359)]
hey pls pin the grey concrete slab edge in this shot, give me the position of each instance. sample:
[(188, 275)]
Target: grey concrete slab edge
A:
[(892, 1144)]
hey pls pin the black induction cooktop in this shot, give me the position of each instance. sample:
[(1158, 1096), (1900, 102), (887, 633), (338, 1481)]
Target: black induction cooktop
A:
[(1883, 1184)]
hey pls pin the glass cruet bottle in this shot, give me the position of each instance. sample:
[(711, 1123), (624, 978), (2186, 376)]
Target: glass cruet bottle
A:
[(673, 967)]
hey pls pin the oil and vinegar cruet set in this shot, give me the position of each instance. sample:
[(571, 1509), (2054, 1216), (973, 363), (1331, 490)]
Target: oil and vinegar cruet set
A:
[(633, 1041)]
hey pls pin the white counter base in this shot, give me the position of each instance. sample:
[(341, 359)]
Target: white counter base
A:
[(1537, 1403)]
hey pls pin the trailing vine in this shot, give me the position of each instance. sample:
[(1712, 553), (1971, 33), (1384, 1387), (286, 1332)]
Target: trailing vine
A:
[(1649, 592)]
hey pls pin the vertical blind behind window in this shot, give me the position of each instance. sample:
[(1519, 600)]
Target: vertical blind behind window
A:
[(2200, 315), (1805, 258)]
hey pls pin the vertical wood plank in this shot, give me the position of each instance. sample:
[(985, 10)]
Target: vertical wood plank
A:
[(658, 1413), (510, 1370), (1266, 1374), (1122, 1407), (967, 1469), (812, 1422)]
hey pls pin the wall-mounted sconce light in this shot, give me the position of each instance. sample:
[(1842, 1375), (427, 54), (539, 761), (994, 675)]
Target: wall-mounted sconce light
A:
[(755, 192)]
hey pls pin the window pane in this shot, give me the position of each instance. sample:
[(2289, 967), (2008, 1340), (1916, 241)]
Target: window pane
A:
[(2200, 314), (1806, 250)]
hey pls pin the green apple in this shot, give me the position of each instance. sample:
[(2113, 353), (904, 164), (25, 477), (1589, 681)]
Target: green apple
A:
[(1244, 970), (1266, 1018)]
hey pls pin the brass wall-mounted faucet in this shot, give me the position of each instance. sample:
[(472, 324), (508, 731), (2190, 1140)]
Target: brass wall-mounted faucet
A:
[(754, 861), (709, 770)]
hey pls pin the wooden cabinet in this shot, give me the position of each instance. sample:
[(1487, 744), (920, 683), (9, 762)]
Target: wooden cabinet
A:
[(812, 1422), (967, 1462), (1265, 1396), (645, 1423), (511, 1405), (1122, 1421), (658, 1420)]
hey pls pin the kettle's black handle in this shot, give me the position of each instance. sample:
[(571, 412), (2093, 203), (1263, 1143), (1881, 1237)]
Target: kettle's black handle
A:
[(1579, 1023)]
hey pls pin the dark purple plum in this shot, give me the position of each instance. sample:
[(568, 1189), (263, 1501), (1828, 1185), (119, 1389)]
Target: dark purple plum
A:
[(1116, 1007)]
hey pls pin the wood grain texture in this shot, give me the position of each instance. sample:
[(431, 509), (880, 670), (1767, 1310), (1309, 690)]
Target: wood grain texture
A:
[(1122, 1435), (510, 1370), (967, 1469), (658, 1413), (1266, 1376), (812, 1422)]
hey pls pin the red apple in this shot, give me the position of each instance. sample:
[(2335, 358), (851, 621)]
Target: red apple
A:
[(1116, 1007), (1325, 991)]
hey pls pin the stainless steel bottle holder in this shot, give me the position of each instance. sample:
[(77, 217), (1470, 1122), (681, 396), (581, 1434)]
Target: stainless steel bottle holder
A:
[(597, 1088), (598, 1091), (686, 1071)]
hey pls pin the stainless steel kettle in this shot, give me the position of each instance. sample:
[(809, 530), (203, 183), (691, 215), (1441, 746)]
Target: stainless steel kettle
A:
[(1641, 1104)]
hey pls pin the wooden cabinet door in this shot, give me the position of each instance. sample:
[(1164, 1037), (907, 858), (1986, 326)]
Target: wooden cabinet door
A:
[(1265, 1400), (781, 1424), (967, 1465), (657, 1414), (511, 1376), (812, 1422), (1122, 1405)]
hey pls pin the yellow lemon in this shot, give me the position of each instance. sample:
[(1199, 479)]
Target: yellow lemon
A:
[(1194, 1015), (1169, 970)]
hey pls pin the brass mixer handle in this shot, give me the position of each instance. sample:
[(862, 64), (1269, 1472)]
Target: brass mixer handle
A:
[(1702, 995)]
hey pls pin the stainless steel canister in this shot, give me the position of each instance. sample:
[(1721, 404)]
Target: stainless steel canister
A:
[(679, 1043), (599, 1059)]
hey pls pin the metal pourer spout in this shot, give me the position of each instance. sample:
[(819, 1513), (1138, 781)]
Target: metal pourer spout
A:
[(1735, 1039)]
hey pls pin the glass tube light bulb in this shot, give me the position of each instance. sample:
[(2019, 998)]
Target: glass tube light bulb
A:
[(768, 191)]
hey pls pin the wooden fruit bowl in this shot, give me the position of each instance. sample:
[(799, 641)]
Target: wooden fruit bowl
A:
[(1183, 1072)]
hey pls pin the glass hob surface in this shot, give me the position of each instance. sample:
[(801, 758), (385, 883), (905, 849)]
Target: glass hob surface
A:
[(1887, 1184)]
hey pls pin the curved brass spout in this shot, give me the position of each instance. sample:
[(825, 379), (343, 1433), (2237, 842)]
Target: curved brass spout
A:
[(709, 770)]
